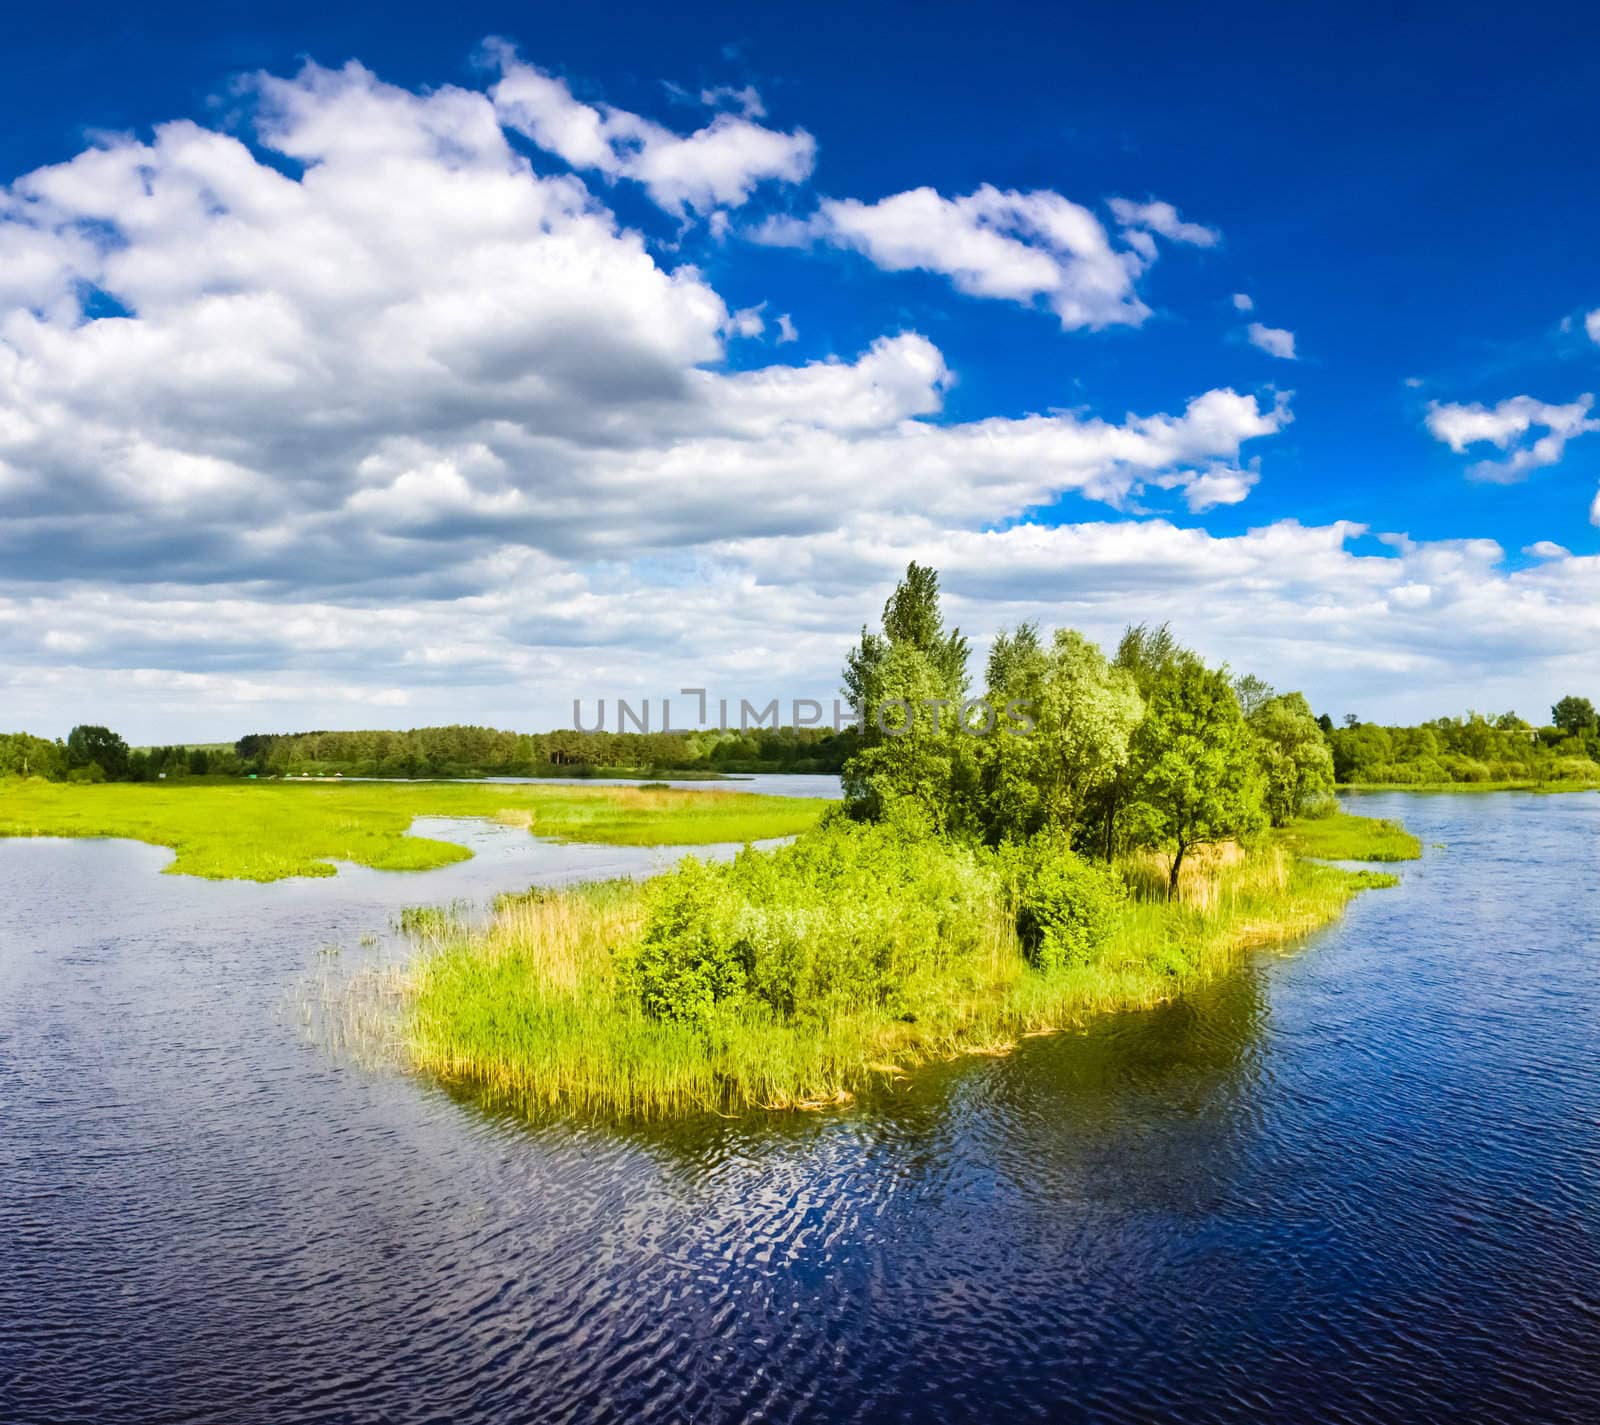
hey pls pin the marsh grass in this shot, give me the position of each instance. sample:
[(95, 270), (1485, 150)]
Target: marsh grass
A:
[(266, 831), (530, 1011), (1350, 838)]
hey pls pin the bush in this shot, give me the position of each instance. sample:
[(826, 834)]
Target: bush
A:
[(1066, 906), (846, 918), (689, 961)]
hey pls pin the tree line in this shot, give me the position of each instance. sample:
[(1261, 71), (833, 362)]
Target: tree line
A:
[(1477, 748), (93, 753)]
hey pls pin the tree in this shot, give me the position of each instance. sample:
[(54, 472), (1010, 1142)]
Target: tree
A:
[(1195, 755), (1253, 693), (1084, 712), (912, 616), (1574, 715), (1148, 654), (22, 755), (88, 745), (1296, 762), (908, 683)]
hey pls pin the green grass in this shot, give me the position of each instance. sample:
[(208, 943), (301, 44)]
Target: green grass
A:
[(266, 831), (1350, 838), (534, 1011)]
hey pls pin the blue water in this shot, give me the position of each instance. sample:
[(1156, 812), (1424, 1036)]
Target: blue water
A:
[(1358, 1182)]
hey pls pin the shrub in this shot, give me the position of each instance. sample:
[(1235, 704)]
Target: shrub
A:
[(1066, 906), (845, 918), (689, 961)]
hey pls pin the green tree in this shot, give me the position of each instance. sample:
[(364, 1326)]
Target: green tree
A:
[(1084, 711), (1148, 654), (89, 745), (1296, 763), (1196, 761), (1574, 715), (909, 682), (22, 755), (1253, 693)]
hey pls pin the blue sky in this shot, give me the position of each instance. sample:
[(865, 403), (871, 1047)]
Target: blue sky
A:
[(1046, 222)]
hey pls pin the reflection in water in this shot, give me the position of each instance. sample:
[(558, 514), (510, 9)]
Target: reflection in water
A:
[(1358, 1182)]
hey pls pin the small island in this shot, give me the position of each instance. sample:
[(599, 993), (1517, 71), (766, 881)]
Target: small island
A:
[(973, 887)]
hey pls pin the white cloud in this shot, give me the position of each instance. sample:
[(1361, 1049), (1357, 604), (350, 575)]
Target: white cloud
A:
[(1243, 302), (746, 99), (1275, 341), (716, 167), (1547, 549), (1222, 486), (1018, 247), (1591, 324), (376, 374), (1426, 628), (1163, 219), (786, 329), (1594, 509), (747, 322), (405, 429), (1504, 426)]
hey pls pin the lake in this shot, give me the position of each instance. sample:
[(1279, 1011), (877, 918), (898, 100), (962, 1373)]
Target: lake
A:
[(1357, 1182)]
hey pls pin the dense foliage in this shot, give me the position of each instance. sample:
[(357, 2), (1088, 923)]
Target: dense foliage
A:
[(846, 918), (1472, 750), (1151, 748)]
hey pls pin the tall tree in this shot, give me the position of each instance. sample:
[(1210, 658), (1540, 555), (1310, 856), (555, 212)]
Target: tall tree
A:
[(1574, 715), (908, 682), (1084, 710), (1296, 763), (90, 745), (1197, 777)]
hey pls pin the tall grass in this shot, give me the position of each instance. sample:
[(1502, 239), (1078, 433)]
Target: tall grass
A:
[(535, 1011), (266, 831)]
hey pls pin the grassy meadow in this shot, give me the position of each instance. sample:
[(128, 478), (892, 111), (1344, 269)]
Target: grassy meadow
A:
[(541, 1010), (266, 831)]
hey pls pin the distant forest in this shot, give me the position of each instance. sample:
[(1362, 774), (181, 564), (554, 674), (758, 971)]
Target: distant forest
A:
[(97, 754), (1475, 749)]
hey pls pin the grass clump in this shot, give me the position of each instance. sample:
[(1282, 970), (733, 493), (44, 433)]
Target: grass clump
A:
[(806, 975), (266, 831), (1350, 838)]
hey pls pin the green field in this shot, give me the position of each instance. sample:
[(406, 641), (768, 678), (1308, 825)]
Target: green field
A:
[(266, 831)]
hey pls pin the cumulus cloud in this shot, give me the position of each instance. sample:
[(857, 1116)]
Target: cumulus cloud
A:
[(1591, 324), (1506, 427), (1243, 302), (715, 167), (1018, 247), (373, 374), (367, 417), (1275, 341), (1546, 549)]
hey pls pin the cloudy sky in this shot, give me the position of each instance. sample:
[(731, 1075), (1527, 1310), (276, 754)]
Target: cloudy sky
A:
[(450, 365)]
